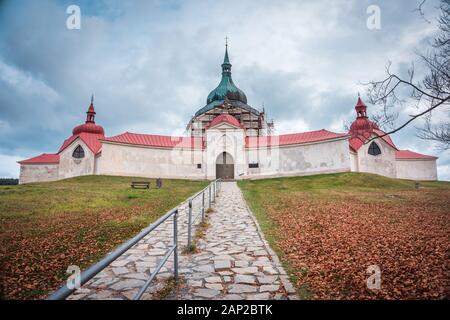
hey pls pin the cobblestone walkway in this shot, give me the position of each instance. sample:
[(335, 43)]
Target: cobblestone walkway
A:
[(233, 261)]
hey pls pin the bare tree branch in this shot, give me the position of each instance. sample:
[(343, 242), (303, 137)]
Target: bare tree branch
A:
[(426, 94), (440, 134), (420, 11), (413, 117)]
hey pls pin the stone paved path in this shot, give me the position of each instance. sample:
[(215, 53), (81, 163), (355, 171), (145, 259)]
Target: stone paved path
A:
[(233, 261)]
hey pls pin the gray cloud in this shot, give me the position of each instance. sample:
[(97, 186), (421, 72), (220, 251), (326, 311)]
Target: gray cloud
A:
[(151, 64)]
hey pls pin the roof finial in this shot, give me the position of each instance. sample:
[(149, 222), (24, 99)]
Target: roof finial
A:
[(91, 112), (359, 95), (226, 66)]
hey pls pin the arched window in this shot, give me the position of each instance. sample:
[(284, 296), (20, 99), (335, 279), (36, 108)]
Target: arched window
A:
[(78, 153), (374, 149)]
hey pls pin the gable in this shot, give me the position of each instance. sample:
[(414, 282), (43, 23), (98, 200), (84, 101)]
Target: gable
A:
[(70, 147), (91, 140), (225, 126), (386, 148)]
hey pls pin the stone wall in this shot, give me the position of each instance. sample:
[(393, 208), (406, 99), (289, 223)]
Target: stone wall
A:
[(416, 169)]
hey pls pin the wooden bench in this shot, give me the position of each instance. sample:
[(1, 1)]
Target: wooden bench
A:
[(140, 185)]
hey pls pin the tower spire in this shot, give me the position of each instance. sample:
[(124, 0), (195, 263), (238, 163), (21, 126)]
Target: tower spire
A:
[(90, 117), (226, 86), (360, 108), (226, 65)]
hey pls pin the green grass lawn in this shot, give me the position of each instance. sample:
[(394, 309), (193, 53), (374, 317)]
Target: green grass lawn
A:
[(45, 227), (327, 229)]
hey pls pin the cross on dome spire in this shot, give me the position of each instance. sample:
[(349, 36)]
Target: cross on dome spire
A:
[(226, 65), (226, 86)]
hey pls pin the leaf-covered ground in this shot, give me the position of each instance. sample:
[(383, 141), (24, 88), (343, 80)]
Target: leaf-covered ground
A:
[(46, 227), (329, 229)]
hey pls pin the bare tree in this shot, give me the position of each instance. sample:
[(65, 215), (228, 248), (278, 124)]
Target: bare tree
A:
[(439, 133), (428, 95)]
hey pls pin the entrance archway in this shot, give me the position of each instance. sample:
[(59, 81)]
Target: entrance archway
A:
[(224, 166)]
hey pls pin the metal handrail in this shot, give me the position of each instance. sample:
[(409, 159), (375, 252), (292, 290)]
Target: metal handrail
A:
[(215, 185), (88, 274), (204, 189)]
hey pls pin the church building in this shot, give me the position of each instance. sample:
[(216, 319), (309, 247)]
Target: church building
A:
[(229, 139)]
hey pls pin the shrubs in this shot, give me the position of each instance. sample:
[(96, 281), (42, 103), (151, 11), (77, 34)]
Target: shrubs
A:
[(8, 181)]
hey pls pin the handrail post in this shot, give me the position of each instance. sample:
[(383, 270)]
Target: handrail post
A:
[(189, 225), (209, 196), (64, 291), (175, 243), (214, 191), (203, 206)]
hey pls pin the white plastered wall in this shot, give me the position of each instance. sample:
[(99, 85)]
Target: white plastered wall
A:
[(417, 169), (225, 138), (143, 161), (304, 159), (382, 164), (354, 161), (38, 173), (71, 167)]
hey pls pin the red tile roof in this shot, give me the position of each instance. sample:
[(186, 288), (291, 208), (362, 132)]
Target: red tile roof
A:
[(293, 138), (386, 138), (90, 139), (356, 141), (197, 142), (88, 127), (408, 154), (227, 118), (45, 158), (157, 140)]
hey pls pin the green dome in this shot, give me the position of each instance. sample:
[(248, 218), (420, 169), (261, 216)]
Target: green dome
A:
[(226, 87)]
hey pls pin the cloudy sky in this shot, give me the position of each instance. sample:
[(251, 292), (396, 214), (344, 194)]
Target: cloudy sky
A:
[(151, 64)]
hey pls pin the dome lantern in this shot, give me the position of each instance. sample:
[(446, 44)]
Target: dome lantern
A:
[(362, 125), (89, 126), (226, 87)]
